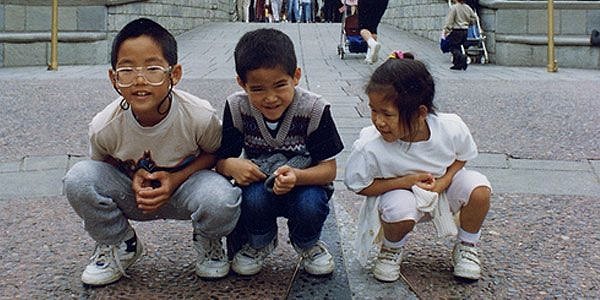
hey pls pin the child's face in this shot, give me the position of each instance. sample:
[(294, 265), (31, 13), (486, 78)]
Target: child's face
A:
[(270, 90), (386, 118), (142, 96)]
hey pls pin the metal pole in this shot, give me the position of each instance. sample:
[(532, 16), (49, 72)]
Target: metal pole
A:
[(54, 38), (552, 67)]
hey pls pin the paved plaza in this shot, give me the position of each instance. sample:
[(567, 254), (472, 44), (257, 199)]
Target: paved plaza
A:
[(538, 135)]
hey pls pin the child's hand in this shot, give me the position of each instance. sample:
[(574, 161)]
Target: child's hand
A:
[(152, 190), (285, 180), (440, 185), (243, 171), (425, 181)]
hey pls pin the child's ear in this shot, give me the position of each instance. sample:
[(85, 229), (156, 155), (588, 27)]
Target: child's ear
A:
[(423, 111), (111, 76), (297, 76), (176, 74), (240, 82)]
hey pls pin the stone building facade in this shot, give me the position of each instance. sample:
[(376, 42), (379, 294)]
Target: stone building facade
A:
[(87, 27)]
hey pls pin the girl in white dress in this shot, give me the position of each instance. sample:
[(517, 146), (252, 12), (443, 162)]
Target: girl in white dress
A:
[(405, 160)]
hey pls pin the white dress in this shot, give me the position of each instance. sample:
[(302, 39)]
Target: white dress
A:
[(373, 158)]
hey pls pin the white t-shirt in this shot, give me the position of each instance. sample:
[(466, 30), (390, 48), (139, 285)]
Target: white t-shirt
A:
[(190, 128), (374, 158)]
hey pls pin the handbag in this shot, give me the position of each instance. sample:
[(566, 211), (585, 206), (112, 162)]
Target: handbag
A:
[(444, 45)]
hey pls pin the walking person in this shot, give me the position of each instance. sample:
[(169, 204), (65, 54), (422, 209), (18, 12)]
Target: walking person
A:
[(370, 13), (455, 30), (293, 13), (276, 10), (306, 15), (243, 10)]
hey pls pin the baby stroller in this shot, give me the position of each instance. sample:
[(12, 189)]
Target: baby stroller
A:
[(350, 39), (474, 47)]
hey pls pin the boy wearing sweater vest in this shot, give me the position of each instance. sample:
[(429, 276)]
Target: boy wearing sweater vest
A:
[(289, 142)]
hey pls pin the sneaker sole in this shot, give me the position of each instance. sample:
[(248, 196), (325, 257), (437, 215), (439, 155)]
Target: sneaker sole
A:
[(385, 279), (246, 272), (467, 274), (319, 272), (213, 274)]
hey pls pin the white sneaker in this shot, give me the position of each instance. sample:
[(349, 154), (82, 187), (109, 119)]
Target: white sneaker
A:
[(387, 265), (109, 262), (212, 261), (249, 261), (373, 53), (316, 260), (465, 260)]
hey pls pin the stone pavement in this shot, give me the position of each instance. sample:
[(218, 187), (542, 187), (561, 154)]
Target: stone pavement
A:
[(539, 143)]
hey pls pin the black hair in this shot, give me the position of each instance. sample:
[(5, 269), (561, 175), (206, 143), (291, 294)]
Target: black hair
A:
[(407, 83), (264, 48), (143, 26)]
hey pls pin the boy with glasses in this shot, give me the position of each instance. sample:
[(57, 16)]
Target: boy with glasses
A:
[(150, 159)]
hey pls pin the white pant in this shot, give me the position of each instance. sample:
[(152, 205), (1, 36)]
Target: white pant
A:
[(243, 10), (400, 205)]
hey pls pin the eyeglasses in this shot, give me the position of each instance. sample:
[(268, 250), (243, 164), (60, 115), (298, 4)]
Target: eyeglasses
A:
[(154, 75)]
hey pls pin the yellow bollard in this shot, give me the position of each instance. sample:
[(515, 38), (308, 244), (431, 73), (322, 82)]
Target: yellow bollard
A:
[(552, 66), (54, 38)]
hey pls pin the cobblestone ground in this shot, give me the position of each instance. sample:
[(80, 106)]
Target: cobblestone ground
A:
[(532, 247), (44, 250)]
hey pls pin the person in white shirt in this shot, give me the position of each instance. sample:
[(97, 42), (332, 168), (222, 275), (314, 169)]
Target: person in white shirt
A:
[(412, 152)]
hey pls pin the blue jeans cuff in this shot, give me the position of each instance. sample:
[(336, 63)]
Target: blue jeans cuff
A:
[(262, 240)]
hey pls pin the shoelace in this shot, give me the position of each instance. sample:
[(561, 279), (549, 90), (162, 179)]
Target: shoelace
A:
[(105, 253), (389, 255), (215, 250), (315, 251), (250, 252)]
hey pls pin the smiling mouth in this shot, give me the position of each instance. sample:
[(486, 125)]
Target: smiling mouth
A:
[(141, 94)]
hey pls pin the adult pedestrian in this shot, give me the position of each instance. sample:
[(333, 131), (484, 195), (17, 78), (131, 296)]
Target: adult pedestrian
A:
[(293, 14), (455, 30), (370, 13)]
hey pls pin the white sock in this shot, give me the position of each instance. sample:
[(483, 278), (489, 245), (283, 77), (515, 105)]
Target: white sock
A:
[(395, 245), (471, 238)]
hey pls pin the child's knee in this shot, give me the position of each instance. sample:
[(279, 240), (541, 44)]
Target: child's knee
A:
[(78, 180), (312, 204), (480, 196), (398, 205)]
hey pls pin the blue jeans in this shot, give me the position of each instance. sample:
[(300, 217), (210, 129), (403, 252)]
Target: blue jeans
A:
[(306, 14), (305, 207), (292, 11)]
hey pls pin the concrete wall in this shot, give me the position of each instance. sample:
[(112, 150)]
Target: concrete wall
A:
[(421, 17), (87, 27), (515, 30)]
